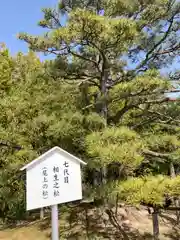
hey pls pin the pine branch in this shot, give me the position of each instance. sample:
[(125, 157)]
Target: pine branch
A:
[(82, 57), (150, 54), (83, 77), (156, 154), (119, 114), (158, 101), (92, 81), (10, 145), (162, 115), (168, 51), (165, 206), (145, 122)]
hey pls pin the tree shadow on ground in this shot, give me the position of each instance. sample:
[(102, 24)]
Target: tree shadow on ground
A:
[(168, 218), (174, 234), (19, 225), (95, 232), (95, 226), (45, 224), (30, 219), (91, 229)]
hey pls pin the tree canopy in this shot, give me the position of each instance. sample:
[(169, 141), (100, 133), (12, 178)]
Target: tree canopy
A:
[(104, 97)]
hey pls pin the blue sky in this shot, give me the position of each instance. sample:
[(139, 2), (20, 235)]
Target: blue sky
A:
[(20, 15)]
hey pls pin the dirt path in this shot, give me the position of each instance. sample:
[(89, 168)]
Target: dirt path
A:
[(139, 227)]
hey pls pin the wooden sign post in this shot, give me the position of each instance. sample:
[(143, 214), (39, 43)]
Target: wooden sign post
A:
[(52, 179)]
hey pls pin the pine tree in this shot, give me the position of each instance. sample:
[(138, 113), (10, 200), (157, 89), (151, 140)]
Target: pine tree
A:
[(137, 143)]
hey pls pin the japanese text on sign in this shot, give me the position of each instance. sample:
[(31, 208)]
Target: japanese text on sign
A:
[(45, 183), (56, 181), (66, 172)]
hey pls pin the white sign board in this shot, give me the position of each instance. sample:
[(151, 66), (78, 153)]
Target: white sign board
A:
[(53, 178)]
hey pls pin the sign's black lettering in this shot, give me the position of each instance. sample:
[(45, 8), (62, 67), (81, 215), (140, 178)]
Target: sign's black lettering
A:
[(56, 177), (45, 186), (66, 164), (55, 169), (66, 180), (45, 183), (56, 193), (66, 172), (56, 185), (44, 171), (45, 194)]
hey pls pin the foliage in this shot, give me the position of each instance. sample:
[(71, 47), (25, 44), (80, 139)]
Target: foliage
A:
[(112, 146), (149, 189), (103, 98)]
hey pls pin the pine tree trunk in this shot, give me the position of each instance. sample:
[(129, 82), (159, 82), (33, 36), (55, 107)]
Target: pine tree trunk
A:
[(104, 79), (95, 178), (104, 175), (87, 222), (117, 201), (155, 220), (84, 97), (104, 110), (172, 170)]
